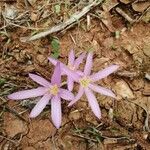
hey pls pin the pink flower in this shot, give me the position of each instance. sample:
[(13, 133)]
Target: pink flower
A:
[(87, 85), (49, 91), (73, 65)]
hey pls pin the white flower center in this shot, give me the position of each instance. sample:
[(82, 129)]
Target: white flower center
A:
[(85, 81)]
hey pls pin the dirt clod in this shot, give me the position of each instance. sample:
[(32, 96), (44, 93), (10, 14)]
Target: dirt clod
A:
[(45, 129), (14, 127)]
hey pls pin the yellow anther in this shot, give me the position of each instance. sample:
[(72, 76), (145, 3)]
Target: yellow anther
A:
[(54, 90), (85, 81)]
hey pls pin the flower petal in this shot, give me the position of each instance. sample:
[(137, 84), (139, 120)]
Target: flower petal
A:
[(70, 83), (71, 73), (89, 63), (41, 104), (55, 61), (71, 57), (65, 70), (56, 77), (67, 95), (56, 111), (79, 60), (28, 93), (93, 103), (78, 96), (102, 90), (104, 73), (39, 80), (52, 60)]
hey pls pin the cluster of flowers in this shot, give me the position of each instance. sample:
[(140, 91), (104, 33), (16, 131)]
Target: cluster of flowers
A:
[(53, 91)]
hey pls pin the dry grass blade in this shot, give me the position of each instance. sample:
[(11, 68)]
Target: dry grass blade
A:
[(6, 108), (86, 138), (75, 17), (8, 139)]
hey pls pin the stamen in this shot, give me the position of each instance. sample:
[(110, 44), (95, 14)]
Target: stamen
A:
[(54, 90), (85, 81)]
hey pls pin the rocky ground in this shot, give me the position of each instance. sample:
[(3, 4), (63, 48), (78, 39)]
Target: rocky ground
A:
[(118, 32)]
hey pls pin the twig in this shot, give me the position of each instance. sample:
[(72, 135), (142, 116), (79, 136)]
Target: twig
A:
[(122, 13), (75, 17), (8, 139), (87, 138), (127, 74), (72, 38)]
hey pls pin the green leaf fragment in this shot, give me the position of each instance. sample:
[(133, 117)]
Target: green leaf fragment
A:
[(55, 48), (57, 9), (2, 82)]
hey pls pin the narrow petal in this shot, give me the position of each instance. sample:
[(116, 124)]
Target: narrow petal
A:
[(56, 113), (78, 96), (89, 63), (28, 93), (79, 60), (65, 70), (67, 95), (104, 73), (39, 80), (93, 103), (56, 77), (70, 83), (71, 57), (41, 104), (102, 90), (53, 61), (71, 73)]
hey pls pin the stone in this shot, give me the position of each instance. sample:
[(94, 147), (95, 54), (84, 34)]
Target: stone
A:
[(122, 89)]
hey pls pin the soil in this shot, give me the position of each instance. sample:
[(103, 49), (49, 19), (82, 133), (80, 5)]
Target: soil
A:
[(125, 120)]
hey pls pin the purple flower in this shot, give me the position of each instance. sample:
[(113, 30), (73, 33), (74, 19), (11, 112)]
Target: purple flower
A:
[(49, 91), (87, 85), (73, 65)]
